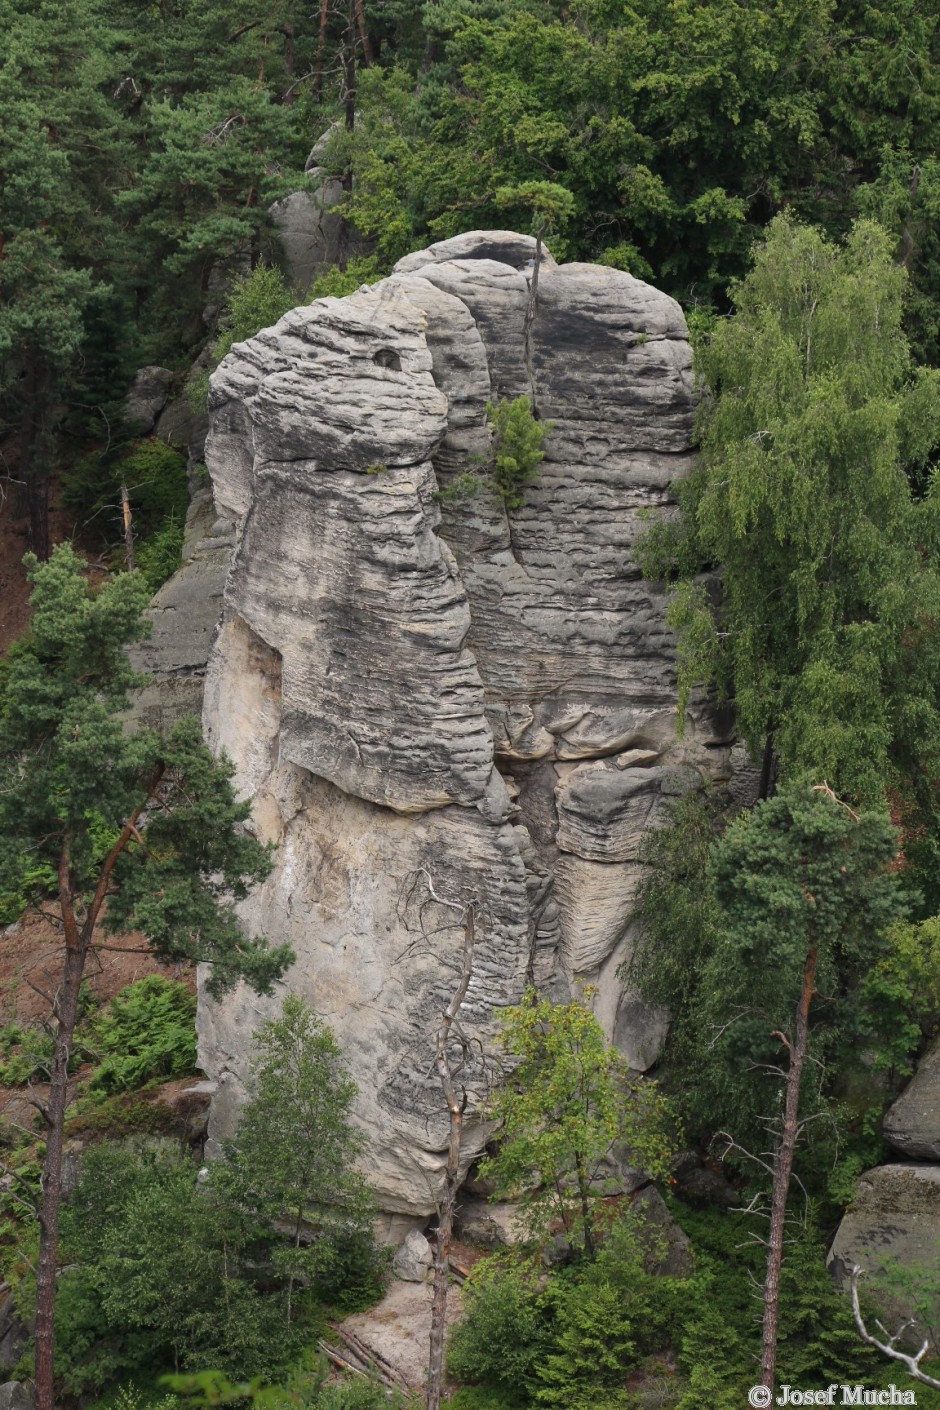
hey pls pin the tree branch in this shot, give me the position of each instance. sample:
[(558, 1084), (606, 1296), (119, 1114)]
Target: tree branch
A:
[(888, 1348)]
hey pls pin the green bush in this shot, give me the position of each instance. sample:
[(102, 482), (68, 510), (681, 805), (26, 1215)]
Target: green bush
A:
[(24, 1053), (517, 447), (158, 1277), (255, 301), (159, 556), (485, 1398), (147, 1031), (506, 1330)]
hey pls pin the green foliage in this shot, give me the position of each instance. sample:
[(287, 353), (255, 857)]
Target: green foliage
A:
[(505, 1332), (215, 1388), (569, 1339), (159, 556), (901, 993), (802, 499), (156, 1279), (291, 1161), (24, 1053), (147, 1031), (606, 1322), (337, 283), (680, 920), (71, 774), (517, 447), (570, 1099), (729, 917), (252, 302), (155, 477), (484, 1398)]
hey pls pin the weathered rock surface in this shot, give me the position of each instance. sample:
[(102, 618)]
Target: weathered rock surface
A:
[(488, 1223), (912, 1124), (16, 1395), (668, 1249), (398, 1327), (147, 397), (894, 1223), (185, 614), (14, 1334), (431, 697), (309, 226), (412, 1262)]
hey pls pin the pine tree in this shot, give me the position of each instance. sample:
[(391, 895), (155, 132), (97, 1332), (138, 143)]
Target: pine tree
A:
[(139, 832)]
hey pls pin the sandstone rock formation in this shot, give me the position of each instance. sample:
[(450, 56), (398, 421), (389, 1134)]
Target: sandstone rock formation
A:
[(429, 696), (147, 397), (912, 1124), (894, 1223)]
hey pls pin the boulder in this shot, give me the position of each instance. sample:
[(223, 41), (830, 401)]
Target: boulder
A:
[(309, 227), (487, 1223), (17, 1395), (912, 1124), (668, 1248), (412, 1262), (147, 397), (893, 1227), (183, 426), (185, 614), (428, 696)]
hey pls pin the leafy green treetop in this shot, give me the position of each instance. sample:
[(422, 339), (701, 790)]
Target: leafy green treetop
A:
[(826, 634), (567, 1104), (138, 832)]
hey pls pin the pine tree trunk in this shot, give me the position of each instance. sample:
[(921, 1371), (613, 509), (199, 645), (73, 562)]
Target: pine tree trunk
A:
[(783, 1169), (51, 1182), (349, 64), (321, 48)]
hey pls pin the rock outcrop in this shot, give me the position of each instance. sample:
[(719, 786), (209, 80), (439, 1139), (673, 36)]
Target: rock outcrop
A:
[(428, 697), (893, 1227), (912, 1124)]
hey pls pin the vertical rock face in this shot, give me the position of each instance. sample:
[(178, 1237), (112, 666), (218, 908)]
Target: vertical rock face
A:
[(427, 697)]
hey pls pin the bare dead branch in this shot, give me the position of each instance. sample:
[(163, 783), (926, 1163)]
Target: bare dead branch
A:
[(889, 1347)]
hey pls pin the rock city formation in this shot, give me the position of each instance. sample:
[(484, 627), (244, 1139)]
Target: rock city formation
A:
[(425, 695)]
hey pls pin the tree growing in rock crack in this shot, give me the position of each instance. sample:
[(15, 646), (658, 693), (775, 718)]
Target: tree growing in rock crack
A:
[(105, 829)]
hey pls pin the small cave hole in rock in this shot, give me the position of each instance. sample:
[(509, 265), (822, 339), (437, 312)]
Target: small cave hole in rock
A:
[(386, 358)]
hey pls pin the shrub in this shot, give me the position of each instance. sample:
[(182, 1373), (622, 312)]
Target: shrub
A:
[(506, 1330), (157, 1277), (147, 1031), (159, 557), (517, 447), (255, 301)]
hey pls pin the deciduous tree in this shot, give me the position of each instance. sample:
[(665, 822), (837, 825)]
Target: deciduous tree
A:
[(569, 1100)]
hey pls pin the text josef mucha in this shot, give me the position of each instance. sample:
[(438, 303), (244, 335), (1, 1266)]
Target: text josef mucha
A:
[(760, 1396)]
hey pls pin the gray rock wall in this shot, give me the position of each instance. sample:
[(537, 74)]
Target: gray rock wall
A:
[(426, 695)]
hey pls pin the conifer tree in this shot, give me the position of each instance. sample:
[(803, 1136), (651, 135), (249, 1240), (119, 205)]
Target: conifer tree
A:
[(128, 830), (805, 897)]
